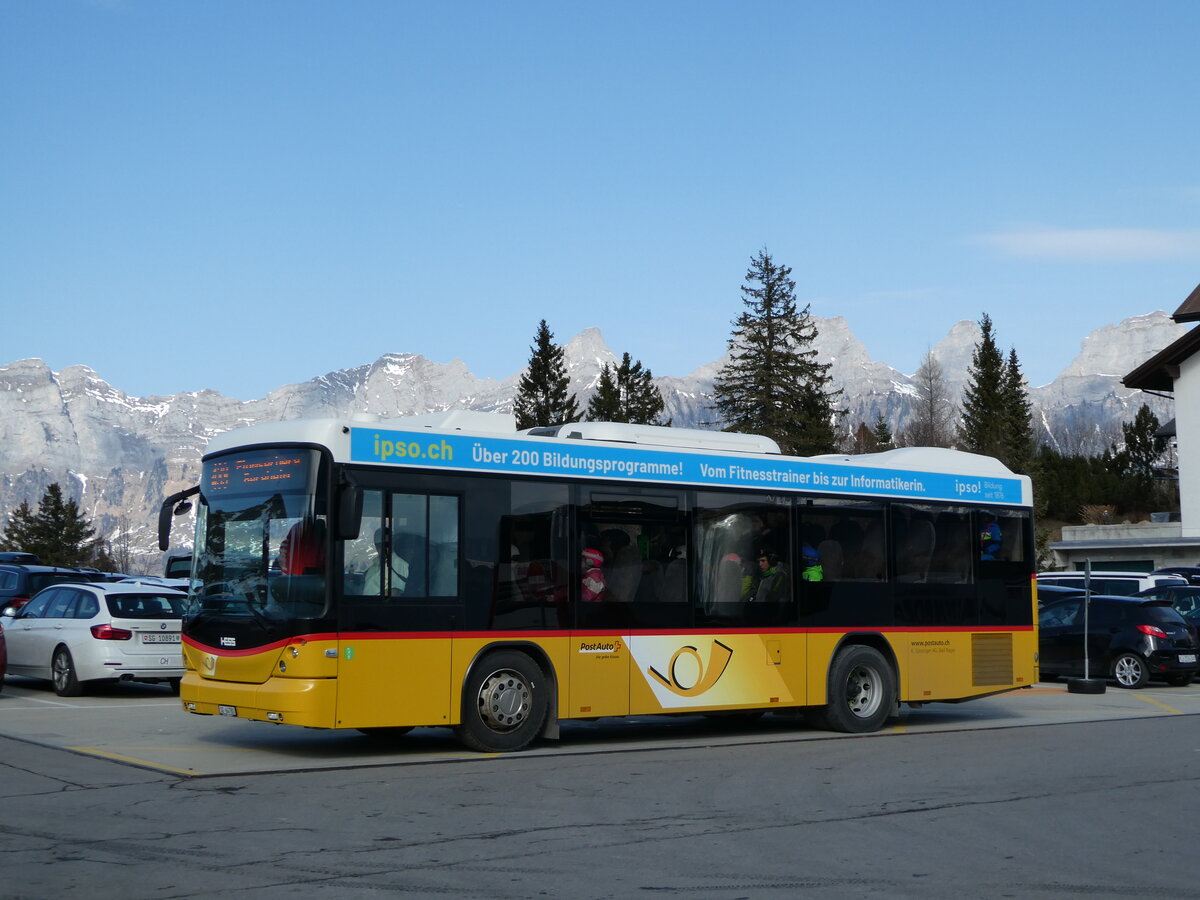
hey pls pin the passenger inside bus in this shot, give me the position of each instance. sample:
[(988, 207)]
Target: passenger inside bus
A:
[(990, 538), (810, 559), (770, 583), (302, 551), (594, 588), (399, 569)]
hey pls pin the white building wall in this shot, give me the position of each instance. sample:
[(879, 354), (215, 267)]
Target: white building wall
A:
[(1187, 429)]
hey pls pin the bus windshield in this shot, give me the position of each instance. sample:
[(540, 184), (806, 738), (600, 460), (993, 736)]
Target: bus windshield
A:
[(261, 538)]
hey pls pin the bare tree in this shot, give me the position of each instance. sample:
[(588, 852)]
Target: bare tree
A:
[(934, 412), (121, 546)]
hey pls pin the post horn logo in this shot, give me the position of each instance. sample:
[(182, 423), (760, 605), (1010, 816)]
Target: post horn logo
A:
[(718, 660)]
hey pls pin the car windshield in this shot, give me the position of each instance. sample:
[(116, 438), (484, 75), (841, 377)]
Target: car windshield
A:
[(145, 606)]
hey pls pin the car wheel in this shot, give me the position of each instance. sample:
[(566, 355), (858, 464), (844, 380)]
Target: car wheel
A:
[(1180, 680), (62, 671), (1130, 670), (504, 703), (861, 692)]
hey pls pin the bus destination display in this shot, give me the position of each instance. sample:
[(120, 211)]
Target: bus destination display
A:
[(260, 470)]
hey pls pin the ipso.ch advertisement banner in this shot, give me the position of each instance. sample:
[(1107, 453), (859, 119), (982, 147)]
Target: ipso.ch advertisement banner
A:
[(466, 453)]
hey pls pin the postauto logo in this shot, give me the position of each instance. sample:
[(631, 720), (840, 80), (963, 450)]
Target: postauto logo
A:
[(697, 676), (710, 670)]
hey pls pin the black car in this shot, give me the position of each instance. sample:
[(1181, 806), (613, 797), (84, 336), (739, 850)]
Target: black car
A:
[(1047, 593), (1185, 599), (19, 583), (1130, 639), (1191, 573)]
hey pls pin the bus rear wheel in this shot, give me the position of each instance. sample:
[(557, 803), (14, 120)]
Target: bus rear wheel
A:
[(504, 703), (861, 692)]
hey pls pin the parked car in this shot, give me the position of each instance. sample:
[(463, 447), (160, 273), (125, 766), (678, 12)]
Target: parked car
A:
[(21, 559), (3, 657), (179, 584), (1129, 639), (179, 565), (1048, 592), (1185, 598), (1116, 583), (19, 583), (1191, 573), (73, 634)]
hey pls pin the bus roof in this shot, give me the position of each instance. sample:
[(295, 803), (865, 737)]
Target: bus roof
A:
[(470, 441)]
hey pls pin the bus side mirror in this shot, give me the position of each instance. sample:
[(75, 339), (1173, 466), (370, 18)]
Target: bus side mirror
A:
[(350, 506), (175, 505)]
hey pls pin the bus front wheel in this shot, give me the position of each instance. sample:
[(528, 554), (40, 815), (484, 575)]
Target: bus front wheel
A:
[(861, 693), (504, 703)]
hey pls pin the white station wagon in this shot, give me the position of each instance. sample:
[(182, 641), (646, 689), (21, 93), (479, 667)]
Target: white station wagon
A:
[(72, 634), (1121, 584)]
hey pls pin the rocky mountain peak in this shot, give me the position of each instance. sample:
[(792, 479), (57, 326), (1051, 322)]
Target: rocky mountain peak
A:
[(118, 455)]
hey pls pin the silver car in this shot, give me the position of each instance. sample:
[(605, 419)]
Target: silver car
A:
[(72, 634)]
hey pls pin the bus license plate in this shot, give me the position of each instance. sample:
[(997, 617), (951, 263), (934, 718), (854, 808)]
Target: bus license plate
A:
[(159, 637), (227, 710), (1187, 657)]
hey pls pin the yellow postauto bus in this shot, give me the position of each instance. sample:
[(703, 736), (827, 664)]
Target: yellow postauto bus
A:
[(447, 570)]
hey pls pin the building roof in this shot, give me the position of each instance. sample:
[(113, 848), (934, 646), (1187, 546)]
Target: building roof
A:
[(1159, 372), (1190, 310)]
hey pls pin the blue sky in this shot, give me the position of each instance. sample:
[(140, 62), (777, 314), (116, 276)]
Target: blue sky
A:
[(242, 195)]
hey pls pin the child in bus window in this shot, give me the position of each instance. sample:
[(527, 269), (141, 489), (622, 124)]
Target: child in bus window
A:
[(990, 537), (594, 585)]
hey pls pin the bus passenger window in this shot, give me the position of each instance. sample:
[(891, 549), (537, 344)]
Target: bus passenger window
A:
[(627, 542), (1013, 538), (743, 569), (848, 539), (362, 562), (952, 553), (408, 573), (443, 546)]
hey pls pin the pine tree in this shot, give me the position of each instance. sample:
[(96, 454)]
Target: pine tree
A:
[(932, 420), (626, 393), (985, 408), (882, 434), (1132, 466), (773, 384), (605, 404), (58, 533), (1018, 436), (1144, 446), (542, 393)]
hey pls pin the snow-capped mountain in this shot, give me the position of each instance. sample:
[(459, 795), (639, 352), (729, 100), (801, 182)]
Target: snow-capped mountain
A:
[(118, 455)]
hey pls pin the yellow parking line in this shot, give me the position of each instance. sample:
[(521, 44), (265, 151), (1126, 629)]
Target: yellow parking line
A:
[(119, 757), (1159, 704)]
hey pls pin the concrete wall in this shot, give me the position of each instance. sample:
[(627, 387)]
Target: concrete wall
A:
[(1163, 544), (1187, 425)]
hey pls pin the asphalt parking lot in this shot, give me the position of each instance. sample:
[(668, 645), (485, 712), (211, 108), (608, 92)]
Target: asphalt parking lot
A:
[(144, 726)]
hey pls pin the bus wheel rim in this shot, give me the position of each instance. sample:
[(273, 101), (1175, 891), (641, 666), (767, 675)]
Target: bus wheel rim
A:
[(505, 700), (862, 691)]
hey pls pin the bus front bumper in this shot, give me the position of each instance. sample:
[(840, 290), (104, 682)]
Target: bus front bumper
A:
[(310, 702)]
